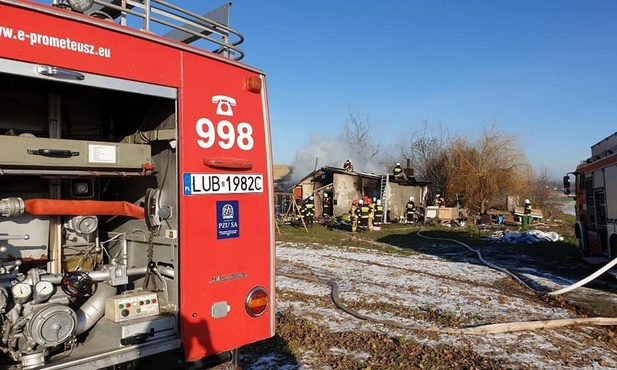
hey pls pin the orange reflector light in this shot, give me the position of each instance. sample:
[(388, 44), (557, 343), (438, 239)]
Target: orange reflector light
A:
[(253, 84), (257, 301)]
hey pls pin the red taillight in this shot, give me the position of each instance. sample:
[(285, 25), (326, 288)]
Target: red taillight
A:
[(257, 301)]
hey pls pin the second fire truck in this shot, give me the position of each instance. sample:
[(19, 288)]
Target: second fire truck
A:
[(595, 189)]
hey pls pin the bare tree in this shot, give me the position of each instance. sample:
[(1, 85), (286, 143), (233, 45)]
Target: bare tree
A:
[(427, 150), (540, 190), (357, 132), (439, 172), (486, 170), (422, 149)]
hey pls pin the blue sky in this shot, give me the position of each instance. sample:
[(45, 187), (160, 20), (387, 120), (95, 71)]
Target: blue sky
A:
[(544, 71)]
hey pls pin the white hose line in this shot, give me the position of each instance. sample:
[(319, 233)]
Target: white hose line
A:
[(579, 284), (506, 327), (498, 268), (586, 280)]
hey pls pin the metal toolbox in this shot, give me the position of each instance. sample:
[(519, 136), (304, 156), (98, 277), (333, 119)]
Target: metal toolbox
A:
[(34, 152)]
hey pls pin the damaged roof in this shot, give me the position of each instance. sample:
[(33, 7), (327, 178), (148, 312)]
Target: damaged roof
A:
[(370, 175)]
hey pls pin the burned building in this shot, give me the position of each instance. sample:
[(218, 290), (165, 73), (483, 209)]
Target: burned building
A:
[(342, 187)]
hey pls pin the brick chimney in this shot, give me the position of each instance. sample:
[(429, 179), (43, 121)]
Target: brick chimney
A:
[(408, 170)]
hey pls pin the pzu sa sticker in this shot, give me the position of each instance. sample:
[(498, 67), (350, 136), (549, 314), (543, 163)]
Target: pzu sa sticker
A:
[(209, 183), (227, 219)]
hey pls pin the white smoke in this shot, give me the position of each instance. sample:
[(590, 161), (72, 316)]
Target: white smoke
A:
[(326, 151), (331, 151)]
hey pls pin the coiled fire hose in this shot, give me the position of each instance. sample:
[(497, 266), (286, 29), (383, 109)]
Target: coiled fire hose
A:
[(481, 329)]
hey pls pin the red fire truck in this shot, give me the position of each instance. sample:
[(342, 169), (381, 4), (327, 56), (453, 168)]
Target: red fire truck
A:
[(596, 201), (136, 203)]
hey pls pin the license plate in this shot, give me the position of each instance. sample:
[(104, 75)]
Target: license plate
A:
[(208, 183)]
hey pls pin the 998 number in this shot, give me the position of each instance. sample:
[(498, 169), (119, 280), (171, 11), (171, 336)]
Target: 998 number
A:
[(226, 135)]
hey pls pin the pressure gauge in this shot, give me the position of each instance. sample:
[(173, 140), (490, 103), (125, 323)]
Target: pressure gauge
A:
[(43, 290), (21, 292)]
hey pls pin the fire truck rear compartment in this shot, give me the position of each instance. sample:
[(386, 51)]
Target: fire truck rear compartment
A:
[(91, 281)]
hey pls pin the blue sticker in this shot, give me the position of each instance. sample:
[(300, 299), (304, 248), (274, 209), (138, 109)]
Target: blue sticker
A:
[(227, 220)]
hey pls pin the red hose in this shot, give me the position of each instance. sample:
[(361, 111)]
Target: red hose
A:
[(54, 207)]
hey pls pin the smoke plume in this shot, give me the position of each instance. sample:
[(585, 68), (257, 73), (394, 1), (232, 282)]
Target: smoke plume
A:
[(331, 151)]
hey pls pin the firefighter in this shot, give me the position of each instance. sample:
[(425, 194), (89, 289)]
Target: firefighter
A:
[(325, 209), (364, 211), (299, 208), (347, 166), (398, 172), (371, 214), (353, 215), (527, 218), (378, 212), (309, 211), (410, 209), (528, 207)]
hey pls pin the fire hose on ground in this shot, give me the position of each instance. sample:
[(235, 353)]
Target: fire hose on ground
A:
[(576, 285), (481, 329)]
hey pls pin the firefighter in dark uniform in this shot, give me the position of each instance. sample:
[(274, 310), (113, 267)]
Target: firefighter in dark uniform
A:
[(325, 211), (347, 166), (398, 173), (410, 209), (527, 218), (378, 212), (309, 211), (299, 207), (364, 214), (528, 207)]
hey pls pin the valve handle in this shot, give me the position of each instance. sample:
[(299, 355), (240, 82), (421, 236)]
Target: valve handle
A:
[(77, 284)]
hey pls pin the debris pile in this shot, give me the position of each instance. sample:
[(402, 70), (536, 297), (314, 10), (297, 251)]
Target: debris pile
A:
[(529, 236)]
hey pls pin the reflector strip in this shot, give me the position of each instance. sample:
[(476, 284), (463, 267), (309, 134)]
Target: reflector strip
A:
[(229, 163)]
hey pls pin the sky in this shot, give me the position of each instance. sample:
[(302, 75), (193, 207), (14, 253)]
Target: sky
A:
[(542, 71)]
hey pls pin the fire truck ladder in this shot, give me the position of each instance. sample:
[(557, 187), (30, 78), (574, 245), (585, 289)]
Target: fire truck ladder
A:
[(383, 195), (184, 26)]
